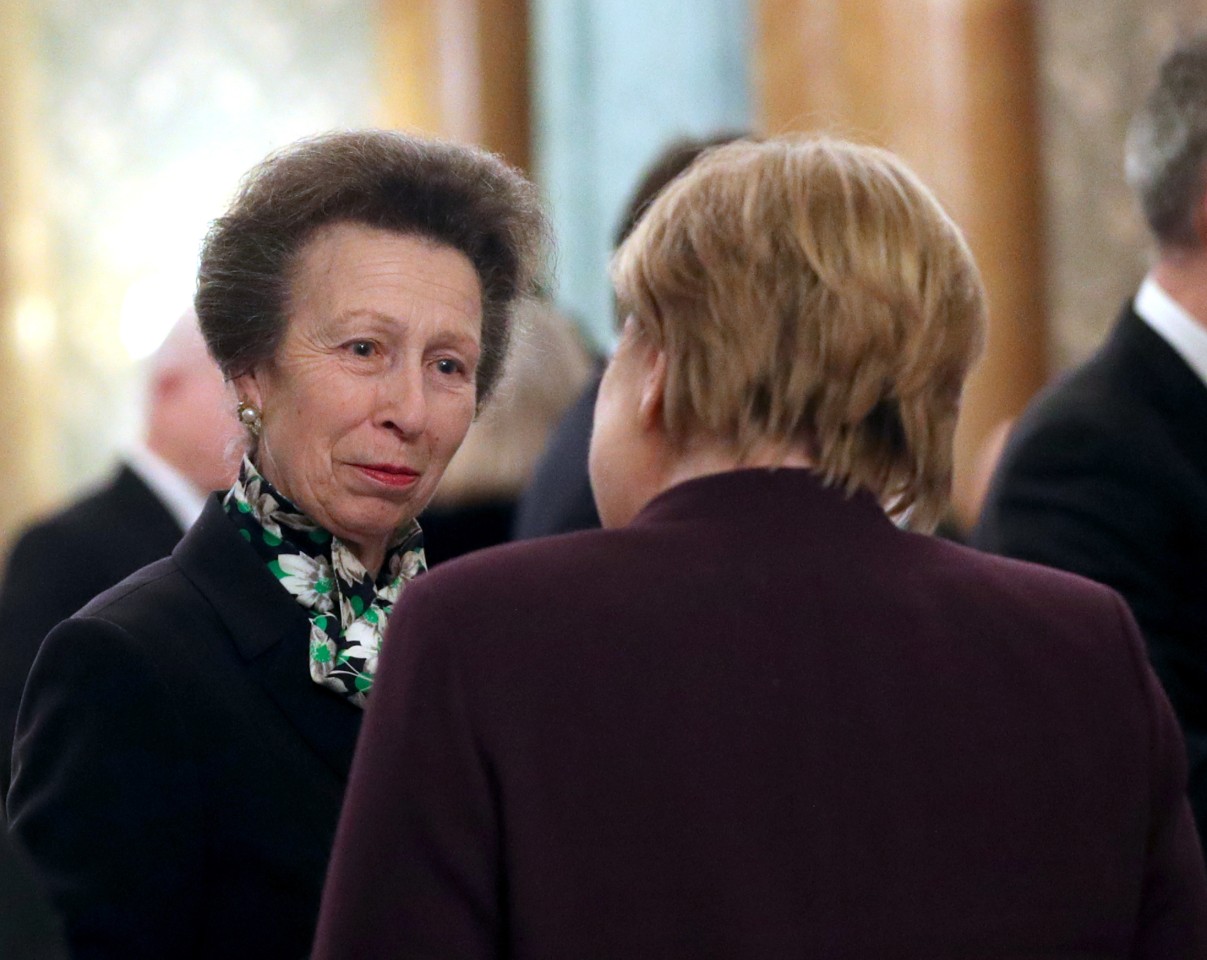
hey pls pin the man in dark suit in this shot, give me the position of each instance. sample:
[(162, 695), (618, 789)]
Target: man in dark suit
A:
[(752, 716), (1106, 474), (137, 517)]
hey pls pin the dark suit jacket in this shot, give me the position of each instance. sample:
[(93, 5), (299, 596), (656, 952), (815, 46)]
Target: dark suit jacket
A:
[(1106, 475), (29, 929), (455, 530), (761, 721), (558, 499), (177, 774), (61, 563)]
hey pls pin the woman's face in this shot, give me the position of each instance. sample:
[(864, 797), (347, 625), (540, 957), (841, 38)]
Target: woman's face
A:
[(372, 388)]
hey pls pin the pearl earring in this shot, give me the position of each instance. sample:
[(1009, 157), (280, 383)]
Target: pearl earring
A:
[(249, 416)]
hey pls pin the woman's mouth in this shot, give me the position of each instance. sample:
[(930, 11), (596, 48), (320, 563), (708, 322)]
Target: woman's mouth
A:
[(389, 474)]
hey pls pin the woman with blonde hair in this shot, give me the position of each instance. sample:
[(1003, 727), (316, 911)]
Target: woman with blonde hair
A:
[(754, 716)]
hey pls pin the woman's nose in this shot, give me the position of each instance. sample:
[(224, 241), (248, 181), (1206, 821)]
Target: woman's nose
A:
[(403, 403)]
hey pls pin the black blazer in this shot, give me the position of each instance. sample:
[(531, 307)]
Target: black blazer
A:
[(62, 562), (761, 721), (177, 774), (1106, 475), (29, 929)]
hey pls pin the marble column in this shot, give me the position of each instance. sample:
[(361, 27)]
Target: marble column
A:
[(458, 69), (951, 86), (1097, 63), (616, 80)]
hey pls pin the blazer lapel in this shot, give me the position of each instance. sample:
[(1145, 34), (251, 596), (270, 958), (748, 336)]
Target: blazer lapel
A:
[(270, 632), (327, 721)]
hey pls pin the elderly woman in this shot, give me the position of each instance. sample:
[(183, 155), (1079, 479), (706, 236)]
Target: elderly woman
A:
[(754, 717), (184, 740)]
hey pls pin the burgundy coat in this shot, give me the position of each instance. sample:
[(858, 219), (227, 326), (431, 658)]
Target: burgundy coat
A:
[(763, 722)]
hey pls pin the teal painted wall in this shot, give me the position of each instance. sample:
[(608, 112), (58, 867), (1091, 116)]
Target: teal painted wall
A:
[(614, 80)]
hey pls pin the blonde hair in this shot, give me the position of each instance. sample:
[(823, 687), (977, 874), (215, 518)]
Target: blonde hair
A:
[(811, 291)]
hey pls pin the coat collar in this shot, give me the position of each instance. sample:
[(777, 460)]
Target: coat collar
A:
[(1174, 324), (744, 497), (269, 631)]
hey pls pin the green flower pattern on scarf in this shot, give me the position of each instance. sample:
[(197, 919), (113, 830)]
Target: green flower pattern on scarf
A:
[(347, 609)]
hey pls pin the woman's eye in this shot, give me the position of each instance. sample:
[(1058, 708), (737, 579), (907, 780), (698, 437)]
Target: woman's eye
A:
[(362, 348), (447, 365)]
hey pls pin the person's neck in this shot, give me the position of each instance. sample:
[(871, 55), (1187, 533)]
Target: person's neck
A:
[(182, 470), (371, 554), (1183, 275), (372, 559), (165, 457), (704, 459)]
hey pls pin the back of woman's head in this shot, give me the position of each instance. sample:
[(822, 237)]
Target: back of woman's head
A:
[(811, 293)]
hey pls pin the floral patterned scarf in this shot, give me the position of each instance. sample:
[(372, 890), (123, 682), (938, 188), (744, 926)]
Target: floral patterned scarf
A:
[(347, 610)]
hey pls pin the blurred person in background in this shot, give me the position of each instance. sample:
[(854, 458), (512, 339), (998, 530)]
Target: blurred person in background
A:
[(475, 506), (753, 716), (1105, 474), (63, 561), (184, 740), (558, 497)]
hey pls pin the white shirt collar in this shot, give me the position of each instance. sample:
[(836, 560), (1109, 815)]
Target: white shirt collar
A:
[(1173, 324), (181, 499)]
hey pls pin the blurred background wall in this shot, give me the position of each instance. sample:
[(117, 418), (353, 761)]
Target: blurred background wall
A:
[(1097, 62), (613, 81), (125, 125)]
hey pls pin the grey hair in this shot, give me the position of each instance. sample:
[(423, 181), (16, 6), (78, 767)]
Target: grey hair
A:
[(1166, 146)]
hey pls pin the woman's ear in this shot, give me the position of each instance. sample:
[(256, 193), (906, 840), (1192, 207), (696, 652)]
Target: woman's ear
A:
[(247, 389), (653, 390)]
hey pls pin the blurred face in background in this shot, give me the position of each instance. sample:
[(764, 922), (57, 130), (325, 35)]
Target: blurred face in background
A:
[(190, 418)]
